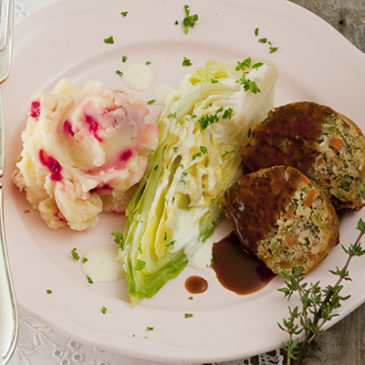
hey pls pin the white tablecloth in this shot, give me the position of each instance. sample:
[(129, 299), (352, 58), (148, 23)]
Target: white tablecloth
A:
[(41, 345)]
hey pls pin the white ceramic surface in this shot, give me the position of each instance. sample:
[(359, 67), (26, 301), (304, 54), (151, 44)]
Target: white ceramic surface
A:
[(66, 40)]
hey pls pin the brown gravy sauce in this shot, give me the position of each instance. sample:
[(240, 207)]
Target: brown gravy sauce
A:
[(295, 145), (237, 269), (196, 284)]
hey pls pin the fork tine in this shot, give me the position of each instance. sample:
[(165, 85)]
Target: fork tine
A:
[(6, 48)]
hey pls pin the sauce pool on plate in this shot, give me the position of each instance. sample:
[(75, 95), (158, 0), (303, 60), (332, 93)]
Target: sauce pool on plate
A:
[(238, 270), (196, 284)]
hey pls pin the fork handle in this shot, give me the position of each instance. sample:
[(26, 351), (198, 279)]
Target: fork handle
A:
[(8, 309)]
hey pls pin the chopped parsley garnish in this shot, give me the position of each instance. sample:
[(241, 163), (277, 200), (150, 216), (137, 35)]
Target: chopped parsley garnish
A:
[(165, 236), (188, 315), (148, 63), (119, 239), (186, 62), (124, 59), (244, 64), (207, 119), (273, 49), (140, 265), (176, 22), (149, 328), (189, 20), (249, 85), (119, 73), (252, 86), (196, 155), (183, 177), (173, 115), (109, 40), (124, 13), (89, 280), (181, 165), (190, 298), (156, 167), (49, 291), (203, 149), (226, 153), (214, 81), (175, 149), (257, 65), (75, 255), (84, 260), (171, 243), (104, 309), (227, 113), (149, 102), (264, 40)]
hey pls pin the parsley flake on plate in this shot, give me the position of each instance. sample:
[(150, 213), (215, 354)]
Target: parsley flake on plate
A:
[(109, 40), (186, 62), (74, 254), (119, 239), (273, 49), (189, 20)]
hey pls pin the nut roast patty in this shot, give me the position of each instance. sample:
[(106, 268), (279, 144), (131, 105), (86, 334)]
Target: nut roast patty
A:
[(283, 217), (325, 145)]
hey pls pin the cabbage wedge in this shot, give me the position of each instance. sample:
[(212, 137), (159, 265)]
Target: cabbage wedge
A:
[(177, 205)]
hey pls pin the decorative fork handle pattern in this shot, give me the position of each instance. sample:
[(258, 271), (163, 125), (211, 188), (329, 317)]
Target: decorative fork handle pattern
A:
[(8, 309)]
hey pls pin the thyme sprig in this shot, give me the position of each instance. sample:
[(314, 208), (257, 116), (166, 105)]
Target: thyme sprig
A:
[(317, 305)]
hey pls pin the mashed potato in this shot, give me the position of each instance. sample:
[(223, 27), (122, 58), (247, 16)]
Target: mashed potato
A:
[(84, 150)]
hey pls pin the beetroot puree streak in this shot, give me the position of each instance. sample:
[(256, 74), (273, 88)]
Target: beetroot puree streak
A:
[(35, 109), (52, 164), (93, 126), (126, 155), (67, 127), (101, 187)]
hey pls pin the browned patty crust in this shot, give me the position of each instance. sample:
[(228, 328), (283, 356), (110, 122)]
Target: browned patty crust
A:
[(325, 145), (283, 217)]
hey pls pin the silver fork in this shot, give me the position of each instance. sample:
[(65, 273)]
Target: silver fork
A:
[(8, 309)]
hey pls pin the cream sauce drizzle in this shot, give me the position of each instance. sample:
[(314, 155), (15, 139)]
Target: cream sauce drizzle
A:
[(101, 265)]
